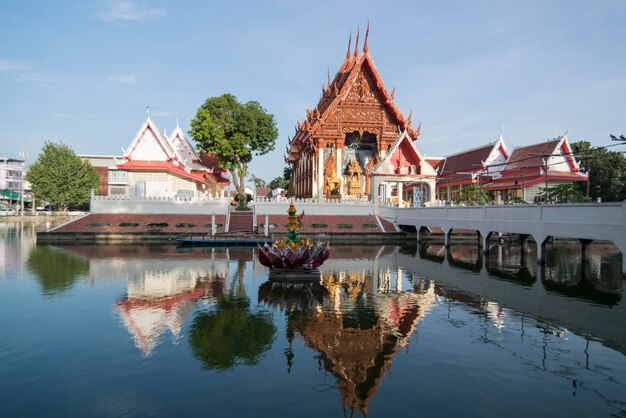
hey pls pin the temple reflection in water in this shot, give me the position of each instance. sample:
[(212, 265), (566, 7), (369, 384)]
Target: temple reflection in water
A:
[(362, 317)]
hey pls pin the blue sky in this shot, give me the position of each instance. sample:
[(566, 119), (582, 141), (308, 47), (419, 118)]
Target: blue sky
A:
[(83, 72)]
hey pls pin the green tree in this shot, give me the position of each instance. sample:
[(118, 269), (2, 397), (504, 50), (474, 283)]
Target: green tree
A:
[(234, 132), (55, 271), (257, 181), (562, 193), (230, 334), (60, 177), (471, 195), (281, 182), (607, 172)]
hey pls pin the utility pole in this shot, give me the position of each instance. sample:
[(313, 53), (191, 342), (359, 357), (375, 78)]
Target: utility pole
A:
[(545, 170), (588, 177)]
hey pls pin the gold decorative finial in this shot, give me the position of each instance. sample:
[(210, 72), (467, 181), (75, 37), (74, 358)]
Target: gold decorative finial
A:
[(367, 32), (356, 45), (329, 77)]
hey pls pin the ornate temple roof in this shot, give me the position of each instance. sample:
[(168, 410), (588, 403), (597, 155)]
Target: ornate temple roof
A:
[(336, 91), (151, 149)]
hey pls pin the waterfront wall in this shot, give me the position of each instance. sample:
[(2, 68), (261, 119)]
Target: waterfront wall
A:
[(158, 205), (314, 207)]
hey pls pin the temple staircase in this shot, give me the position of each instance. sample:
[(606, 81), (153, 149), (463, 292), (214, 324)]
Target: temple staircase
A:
[(241, 221)]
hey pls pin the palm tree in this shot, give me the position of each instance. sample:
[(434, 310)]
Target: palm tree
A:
[(258, 182)]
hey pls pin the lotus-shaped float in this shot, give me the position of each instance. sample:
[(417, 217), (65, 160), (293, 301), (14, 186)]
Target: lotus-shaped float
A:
[(290, 256)]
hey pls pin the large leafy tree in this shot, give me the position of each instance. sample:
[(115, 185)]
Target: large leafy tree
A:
[(281, 182), (234, 132), (607, 172), (61, 178), (230, 334)]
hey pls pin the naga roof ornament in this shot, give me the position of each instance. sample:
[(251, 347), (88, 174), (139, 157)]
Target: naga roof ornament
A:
[(367, 32)]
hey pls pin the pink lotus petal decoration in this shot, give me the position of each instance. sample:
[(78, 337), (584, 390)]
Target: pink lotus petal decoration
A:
[(301, 258)]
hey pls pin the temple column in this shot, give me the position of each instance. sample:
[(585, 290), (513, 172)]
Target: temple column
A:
[(320, 169), (312, 177), (399, 188), (339, 164)]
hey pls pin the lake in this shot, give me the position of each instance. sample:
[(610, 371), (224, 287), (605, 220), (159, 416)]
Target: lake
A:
[(390, 331)]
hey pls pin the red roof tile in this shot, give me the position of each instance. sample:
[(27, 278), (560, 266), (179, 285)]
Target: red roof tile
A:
[(466, 161), (531, 156)]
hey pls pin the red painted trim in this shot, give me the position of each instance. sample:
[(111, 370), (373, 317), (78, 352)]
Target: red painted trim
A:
[(164, 167)]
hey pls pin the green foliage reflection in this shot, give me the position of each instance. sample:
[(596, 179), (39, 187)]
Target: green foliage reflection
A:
[(55, 271), (229, 334)]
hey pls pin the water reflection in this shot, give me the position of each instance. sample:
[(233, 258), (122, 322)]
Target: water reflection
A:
[(598, 280), (162, 292), (484, 332), (56, 270), (356, 320)]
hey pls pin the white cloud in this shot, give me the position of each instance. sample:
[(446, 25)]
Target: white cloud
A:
[(31, 78), (10, 65), (127, 11), (21, 72), (126, 79)]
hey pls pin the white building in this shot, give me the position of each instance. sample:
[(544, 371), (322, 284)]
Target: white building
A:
[(158, 165), (12, 181)]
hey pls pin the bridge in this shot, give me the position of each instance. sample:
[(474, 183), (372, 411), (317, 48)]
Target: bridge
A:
[(586, 222)]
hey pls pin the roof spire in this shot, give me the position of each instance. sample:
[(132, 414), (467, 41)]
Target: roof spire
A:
[(349, 44), (329, 77), (177, 125), (356, 45), (502, 132), (367, 32), (148, 111)]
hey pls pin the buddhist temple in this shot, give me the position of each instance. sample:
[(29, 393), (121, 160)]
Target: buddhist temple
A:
[(356, 144), (476, 166), (532, 168), (159, 165)]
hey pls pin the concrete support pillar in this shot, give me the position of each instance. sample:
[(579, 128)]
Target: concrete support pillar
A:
[(399, 189), (541, 246), (446, 234), (266, 228), (418, 234), (485, 241), (523, 239), (213, 226), (585, 250)]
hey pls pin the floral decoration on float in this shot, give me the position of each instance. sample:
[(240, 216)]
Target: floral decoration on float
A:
[(293, 258)]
